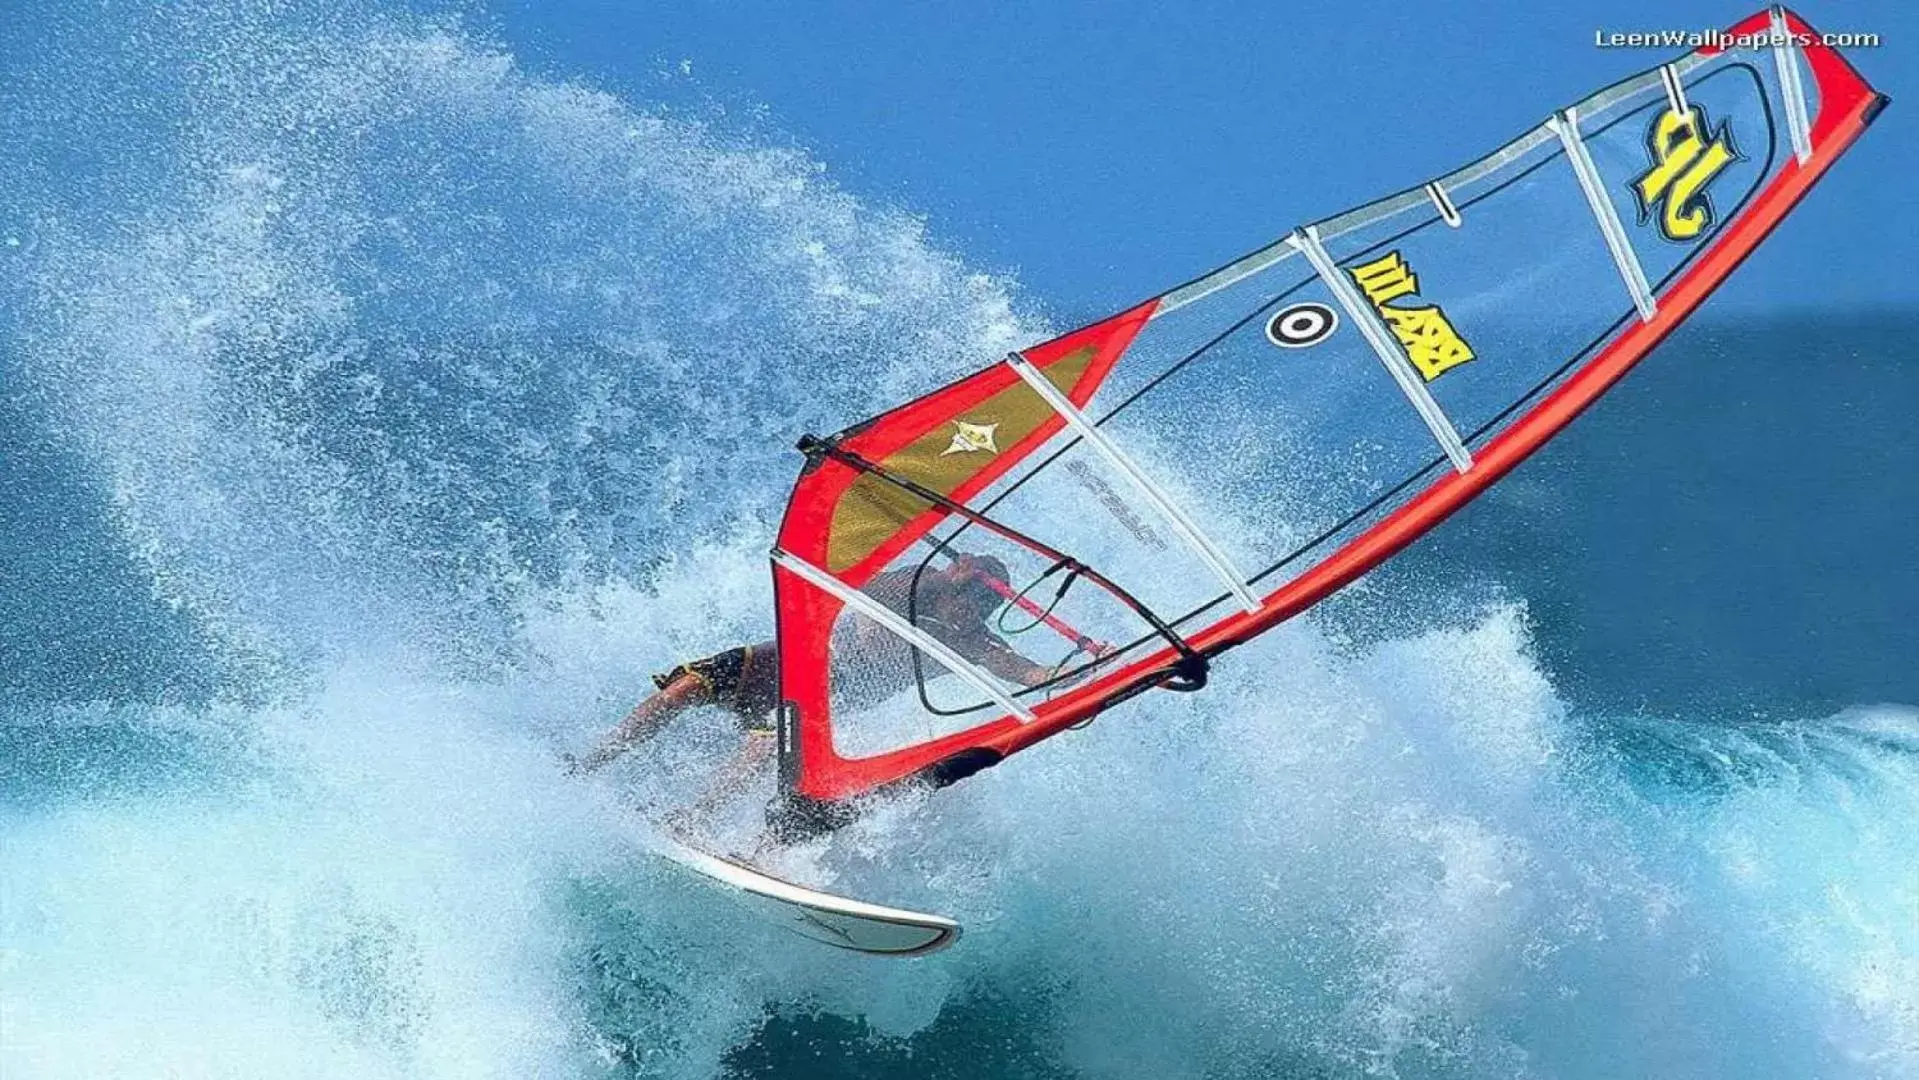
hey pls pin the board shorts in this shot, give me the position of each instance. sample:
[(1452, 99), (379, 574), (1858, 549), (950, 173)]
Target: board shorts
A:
[(744, 681)]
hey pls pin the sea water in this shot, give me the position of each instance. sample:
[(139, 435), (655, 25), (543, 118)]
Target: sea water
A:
[(377, 415)]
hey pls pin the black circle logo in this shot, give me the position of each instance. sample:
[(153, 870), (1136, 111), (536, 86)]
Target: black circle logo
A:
[(1300, 325)]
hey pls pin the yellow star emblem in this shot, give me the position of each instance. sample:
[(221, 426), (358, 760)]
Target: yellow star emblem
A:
[(970, 437)]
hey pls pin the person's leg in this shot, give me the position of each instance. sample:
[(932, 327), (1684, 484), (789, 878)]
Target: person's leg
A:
[(686, 690), (740, 770), (751, 689)]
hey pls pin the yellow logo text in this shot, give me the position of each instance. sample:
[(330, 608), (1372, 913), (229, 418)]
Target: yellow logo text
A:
[(1684, 164), (1423, 330)]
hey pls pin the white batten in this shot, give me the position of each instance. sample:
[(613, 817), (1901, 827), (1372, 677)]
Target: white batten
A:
[(1566, 126), (1209, 553), (1443, 203), (1675, 91), (1385, 346), (1785, 57), (906, 631)]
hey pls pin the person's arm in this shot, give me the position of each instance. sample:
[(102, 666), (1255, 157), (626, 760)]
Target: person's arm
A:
[(644, 722), (1000, 659)]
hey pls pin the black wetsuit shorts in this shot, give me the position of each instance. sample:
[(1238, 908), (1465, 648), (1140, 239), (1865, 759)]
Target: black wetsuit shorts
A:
[(744, 681)]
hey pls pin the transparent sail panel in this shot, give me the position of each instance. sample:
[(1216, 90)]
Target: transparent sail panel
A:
[(1277, 430), (1002, 608), (1491, 309), (1280, 427), (1675, 180), (1080, 504), (1196, 315)]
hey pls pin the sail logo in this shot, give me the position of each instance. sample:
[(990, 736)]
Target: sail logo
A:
[(972, 438), (1675, 189), (1301, 325), (1423, 330)]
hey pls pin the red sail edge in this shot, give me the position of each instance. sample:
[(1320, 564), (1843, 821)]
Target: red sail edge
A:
[(810, 764), (813, 770)]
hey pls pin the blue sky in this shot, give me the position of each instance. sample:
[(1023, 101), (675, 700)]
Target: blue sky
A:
[(1105, 152)]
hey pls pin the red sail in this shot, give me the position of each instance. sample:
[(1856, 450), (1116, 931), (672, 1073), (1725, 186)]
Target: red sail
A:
[(1181, 477)]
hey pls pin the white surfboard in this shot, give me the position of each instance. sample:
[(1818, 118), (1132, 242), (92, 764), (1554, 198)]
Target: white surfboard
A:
[(834, 920)]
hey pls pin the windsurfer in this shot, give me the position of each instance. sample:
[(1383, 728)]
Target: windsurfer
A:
[(954, 603)]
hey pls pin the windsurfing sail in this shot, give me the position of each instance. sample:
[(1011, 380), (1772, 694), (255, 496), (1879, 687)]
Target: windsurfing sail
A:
[(1148, 491)]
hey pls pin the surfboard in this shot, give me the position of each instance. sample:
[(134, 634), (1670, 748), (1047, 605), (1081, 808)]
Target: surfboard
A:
[(838, 921)]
